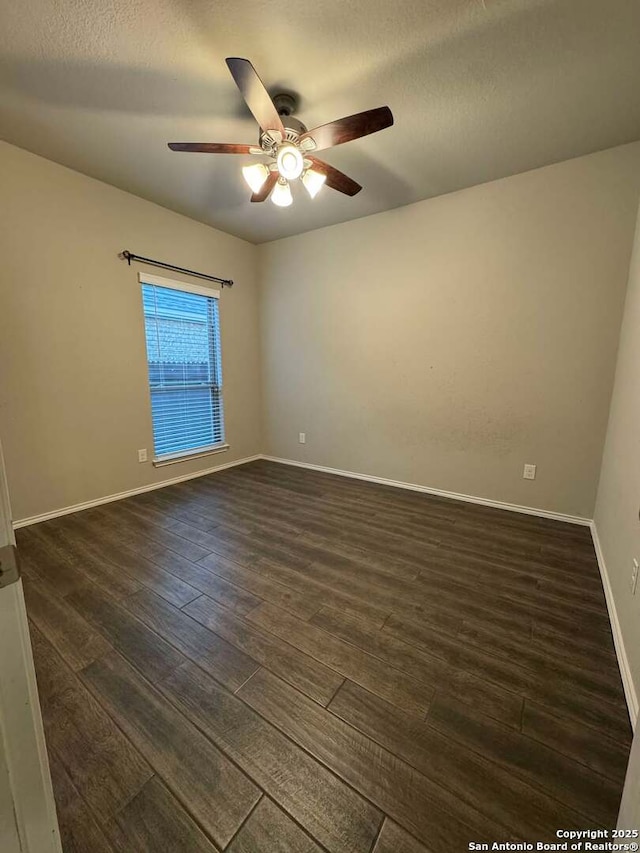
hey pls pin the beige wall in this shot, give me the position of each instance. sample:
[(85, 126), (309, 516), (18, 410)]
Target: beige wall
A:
[(74, 401), (445, 343), (449, 342), (618, 503)]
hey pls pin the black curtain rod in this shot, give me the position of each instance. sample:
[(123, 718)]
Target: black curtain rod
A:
[(128, 256)]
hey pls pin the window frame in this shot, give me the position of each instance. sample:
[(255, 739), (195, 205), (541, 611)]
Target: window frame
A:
[(160, 460)]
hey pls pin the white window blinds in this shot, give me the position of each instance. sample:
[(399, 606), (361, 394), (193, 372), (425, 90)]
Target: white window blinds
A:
[(182, 330)]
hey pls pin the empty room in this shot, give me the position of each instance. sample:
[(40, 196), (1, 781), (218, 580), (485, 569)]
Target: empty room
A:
[(319, 426)]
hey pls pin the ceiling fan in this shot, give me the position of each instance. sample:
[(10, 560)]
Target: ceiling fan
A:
[(287, 143)]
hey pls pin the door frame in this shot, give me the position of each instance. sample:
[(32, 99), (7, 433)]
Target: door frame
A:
[(28, 819)]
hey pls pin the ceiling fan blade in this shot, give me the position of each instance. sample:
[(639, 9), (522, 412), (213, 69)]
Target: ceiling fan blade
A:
[(336, 179), (253, 91), (266, 188), (348, 128), (212, 147)]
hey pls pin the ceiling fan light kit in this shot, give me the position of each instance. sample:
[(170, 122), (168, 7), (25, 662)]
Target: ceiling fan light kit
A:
[(313, 182), (255, 176), (290, 161), (287, 142), (281, 193)]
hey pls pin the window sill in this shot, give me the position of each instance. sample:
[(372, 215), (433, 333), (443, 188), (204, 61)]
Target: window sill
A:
[(172, 458)]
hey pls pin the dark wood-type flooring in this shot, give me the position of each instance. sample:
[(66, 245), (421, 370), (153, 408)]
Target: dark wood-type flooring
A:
[(271, 659)]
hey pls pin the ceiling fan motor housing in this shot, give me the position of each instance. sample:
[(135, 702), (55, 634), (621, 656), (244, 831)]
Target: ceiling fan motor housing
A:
[(286, 104)]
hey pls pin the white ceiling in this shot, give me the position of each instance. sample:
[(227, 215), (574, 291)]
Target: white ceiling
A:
[(479, 90)]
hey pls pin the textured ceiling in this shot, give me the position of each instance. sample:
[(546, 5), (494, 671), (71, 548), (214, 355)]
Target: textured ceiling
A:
[(480, 89)]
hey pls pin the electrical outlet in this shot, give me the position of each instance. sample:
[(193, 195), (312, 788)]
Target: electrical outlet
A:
[(302, 437), (529, 472), (634, 577), (142, 455)]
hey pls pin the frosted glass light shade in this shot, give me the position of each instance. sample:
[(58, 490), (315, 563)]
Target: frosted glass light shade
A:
[(255, 176), (281, 194), (290, 162), (313, 182)]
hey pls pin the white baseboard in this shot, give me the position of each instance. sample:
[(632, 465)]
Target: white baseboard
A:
[(621, 653), (527, 510), (456, 496), (67, 510)]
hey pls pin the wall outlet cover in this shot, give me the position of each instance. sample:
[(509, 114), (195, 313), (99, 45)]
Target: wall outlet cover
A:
[(529, 472), (302, 437), (142, 455)]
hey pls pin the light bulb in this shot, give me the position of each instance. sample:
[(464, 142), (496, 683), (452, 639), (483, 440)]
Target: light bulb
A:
[(281, 194), (313, 182), (255, 176), (290, 162)]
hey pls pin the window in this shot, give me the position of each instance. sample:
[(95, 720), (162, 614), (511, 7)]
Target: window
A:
[(182, 329)]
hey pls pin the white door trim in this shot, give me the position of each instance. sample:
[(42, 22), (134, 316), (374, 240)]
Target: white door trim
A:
[(22, 732), (26, 794)]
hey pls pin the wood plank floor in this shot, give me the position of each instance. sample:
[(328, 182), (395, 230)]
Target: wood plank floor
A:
[(271, 659)]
